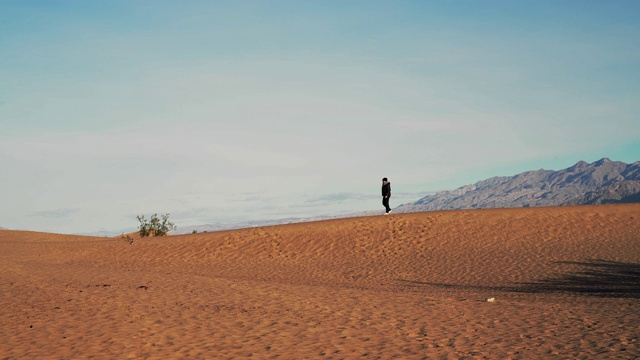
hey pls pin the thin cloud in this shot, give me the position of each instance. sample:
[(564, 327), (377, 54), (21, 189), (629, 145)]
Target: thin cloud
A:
[(56, 213), (338, 197)]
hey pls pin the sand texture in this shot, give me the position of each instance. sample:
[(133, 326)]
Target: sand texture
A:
[(563, 283)]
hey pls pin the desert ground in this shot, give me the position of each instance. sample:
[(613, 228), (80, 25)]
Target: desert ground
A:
[(528, 283)]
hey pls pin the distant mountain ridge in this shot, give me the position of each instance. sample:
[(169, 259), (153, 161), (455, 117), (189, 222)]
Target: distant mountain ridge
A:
[(601, 182)]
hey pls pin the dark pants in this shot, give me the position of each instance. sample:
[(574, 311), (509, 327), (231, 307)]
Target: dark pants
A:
[(385, 202)]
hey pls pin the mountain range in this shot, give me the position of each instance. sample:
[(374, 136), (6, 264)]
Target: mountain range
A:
[(601, 182)]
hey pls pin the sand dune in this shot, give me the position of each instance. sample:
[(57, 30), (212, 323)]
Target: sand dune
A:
[(566, 283)]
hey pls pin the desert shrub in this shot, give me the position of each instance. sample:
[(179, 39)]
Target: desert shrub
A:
[(155, 226)]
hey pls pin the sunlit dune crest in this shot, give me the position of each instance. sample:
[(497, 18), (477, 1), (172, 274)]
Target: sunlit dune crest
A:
[(560, 282)]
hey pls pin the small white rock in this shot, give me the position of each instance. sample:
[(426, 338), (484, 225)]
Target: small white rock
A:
[(491, 299)]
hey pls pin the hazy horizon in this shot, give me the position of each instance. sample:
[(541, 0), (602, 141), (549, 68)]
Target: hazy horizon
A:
[(232, 111)]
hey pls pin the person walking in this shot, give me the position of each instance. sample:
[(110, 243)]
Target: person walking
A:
[(386, 194)]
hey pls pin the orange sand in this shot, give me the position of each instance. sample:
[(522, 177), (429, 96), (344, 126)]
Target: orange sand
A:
[(566, 283)]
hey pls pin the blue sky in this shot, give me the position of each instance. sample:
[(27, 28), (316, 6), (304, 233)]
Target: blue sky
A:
[(225, 111)]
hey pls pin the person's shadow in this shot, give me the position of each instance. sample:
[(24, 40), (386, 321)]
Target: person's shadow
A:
[(601, 278), (596, 278)]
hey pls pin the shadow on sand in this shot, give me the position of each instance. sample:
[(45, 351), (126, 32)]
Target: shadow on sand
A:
[(595, 278)]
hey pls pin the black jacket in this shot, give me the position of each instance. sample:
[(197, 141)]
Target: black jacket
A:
[(386, 189)]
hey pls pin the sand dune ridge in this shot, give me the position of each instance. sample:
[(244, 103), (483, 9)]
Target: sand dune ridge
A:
[(566, 282)]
